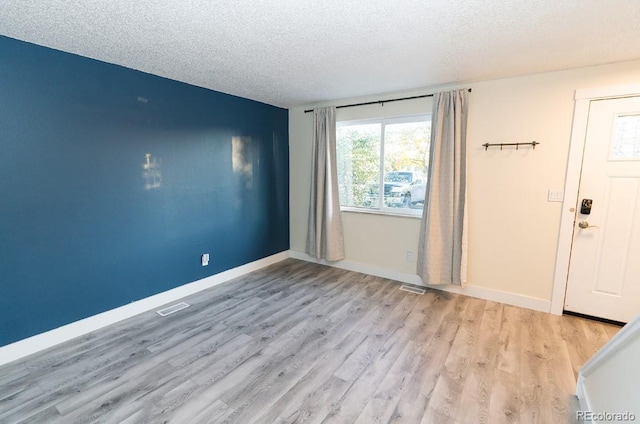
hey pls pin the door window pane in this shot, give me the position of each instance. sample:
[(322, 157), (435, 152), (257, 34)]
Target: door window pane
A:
[(626, 142)]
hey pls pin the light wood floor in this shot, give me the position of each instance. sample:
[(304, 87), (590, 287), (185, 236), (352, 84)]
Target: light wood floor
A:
[(299, 342)]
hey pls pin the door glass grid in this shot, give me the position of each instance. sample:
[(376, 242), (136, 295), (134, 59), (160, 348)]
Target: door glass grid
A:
[(626, 141)]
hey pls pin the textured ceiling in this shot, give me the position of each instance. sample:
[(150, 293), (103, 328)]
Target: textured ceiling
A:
[(295, 52)]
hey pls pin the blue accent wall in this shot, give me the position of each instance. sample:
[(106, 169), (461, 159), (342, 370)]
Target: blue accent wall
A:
[(113, 182)]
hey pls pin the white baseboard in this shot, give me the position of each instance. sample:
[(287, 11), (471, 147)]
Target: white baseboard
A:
[(467, 290), (67, 332)]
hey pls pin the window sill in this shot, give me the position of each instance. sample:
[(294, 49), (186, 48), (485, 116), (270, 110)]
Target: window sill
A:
[(380, 212)]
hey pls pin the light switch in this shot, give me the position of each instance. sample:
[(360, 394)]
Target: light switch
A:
[(556, 195)]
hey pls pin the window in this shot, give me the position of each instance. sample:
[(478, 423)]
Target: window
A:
[(626, 142), (384, 156)]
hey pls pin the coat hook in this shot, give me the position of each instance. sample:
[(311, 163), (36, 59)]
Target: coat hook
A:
[(532, 143)]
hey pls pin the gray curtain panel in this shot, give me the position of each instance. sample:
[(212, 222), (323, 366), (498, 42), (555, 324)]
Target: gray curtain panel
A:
[(442, 244), (324, 234)]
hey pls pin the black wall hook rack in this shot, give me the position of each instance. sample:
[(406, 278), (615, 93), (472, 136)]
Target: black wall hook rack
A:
[(532, 144)]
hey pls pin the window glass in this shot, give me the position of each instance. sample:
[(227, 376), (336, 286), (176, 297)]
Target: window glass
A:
[(401, 175), (358, 157), (626, 141)]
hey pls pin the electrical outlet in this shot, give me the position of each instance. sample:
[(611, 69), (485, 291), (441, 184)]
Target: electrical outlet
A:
[(205, 259), (409, 256)]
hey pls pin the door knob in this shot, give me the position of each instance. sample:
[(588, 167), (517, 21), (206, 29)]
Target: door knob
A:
[(585, 224)]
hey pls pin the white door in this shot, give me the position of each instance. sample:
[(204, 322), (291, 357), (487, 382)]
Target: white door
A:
[(604, 271)]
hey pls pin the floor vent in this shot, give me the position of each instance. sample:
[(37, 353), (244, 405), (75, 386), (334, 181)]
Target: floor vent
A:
[(171, 309), (411, 289)]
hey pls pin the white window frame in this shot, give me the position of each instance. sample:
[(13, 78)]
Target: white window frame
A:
[(382, 209)]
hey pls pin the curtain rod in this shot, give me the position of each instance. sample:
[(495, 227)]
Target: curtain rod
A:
[(381, 102)]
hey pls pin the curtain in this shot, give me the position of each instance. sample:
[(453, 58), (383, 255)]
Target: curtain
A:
[(442, 248), (324, 234)]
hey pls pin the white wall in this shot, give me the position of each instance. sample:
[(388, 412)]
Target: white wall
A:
[(513, 229)]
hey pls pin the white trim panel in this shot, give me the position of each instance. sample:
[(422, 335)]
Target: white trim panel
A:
[(571, 187), (608, 92), (67, 332), (467, 290), (583, 397), (605, 356)]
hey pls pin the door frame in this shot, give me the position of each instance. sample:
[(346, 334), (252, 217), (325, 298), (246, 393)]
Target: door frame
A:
[(583, 99)]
